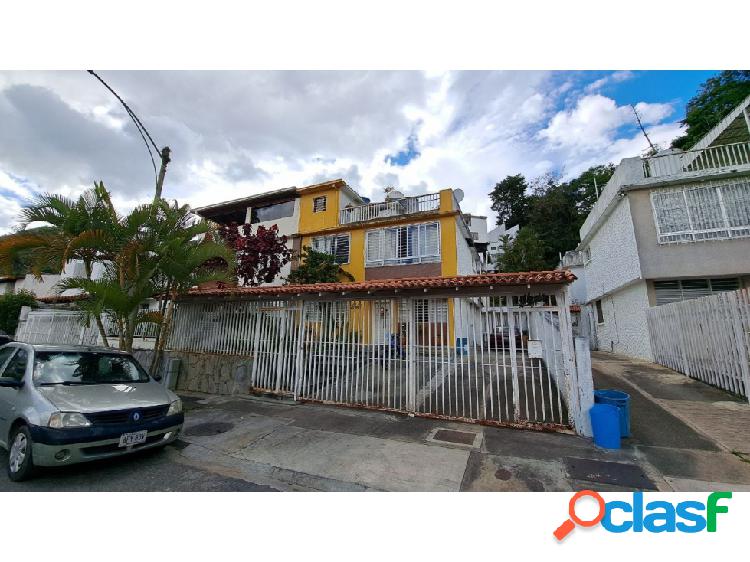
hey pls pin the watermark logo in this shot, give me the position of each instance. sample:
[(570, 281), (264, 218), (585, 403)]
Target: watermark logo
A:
[(654, 517)]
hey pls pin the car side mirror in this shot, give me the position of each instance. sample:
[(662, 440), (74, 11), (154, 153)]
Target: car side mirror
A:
[(8, 382)]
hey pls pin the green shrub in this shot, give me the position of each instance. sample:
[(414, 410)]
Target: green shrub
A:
[(10, 308)]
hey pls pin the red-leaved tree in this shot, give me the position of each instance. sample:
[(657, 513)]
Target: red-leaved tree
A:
[(260, 254)]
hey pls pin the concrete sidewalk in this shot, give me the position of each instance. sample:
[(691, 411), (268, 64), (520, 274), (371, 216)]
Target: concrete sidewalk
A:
[(289, 446), (696, 436)]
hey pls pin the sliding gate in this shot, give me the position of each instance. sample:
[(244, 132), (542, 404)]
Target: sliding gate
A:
[(483, 359)]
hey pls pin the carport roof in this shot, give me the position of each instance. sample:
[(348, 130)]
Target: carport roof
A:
[(556, 277)]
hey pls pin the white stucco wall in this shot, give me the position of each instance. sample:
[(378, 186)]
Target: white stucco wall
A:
[(464, 257), (613, 252), (577, 289), (624, 329)]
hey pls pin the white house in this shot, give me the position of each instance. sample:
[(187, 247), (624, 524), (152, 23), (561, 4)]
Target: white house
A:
[(669, 227), (495, 243)]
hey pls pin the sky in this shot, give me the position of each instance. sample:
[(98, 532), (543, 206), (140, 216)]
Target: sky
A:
[(234, 134)]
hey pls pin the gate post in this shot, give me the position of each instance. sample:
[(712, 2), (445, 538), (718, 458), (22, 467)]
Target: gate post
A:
[(298, 351), (514, 362), (585, 387), (569, 358), (411, 365)]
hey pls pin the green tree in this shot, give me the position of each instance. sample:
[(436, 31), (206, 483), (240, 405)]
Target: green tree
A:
[(71, 225), (317, 267), (525, 253), (717, 97), (509, 200), (156, 251), (10, 308)]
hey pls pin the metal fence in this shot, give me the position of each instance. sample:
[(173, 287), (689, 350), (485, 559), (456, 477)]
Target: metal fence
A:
[(56, 327), (706, 338), (404, 206), (471, 358), (69, 327), (709, 158)]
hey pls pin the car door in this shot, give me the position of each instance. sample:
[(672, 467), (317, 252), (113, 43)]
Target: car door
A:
[(11, 365)]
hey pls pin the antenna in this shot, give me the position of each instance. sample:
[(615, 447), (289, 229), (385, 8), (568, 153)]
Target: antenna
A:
[(645, 134)]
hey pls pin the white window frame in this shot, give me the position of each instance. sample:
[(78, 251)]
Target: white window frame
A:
[(693, 234), (331, 242), (316, 200), (407, 260)]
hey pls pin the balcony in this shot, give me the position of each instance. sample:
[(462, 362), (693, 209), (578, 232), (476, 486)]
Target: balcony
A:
[(712, 158), (394, 208)]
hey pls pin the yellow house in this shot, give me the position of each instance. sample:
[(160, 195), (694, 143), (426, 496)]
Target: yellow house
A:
[(420, 236), (399, 237)]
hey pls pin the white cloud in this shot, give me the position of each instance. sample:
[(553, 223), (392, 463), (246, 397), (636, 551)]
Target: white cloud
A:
[(614, 78), (594, 123), (238, 133)]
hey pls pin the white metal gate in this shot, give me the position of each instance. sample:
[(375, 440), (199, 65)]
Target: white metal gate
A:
[(487, 359)]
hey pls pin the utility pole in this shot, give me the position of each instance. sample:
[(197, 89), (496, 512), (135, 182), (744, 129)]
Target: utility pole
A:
[(654, 150), (164, 153), (162, 171)]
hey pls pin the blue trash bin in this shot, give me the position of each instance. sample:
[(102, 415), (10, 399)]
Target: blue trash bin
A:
[(605, 423), (622, 401)]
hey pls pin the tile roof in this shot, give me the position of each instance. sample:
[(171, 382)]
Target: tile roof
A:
[(555, 277)]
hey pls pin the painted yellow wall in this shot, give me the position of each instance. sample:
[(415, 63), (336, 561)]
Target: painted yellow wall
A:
[(309, 221), (448, 252)]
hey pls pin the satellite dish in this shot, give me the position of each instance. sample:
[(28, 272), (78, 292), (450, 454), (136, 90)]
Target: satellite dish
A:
[(458, 194)]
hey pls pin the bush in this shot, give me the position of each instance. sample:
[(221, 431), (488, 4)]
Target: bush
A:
[(10, 308)]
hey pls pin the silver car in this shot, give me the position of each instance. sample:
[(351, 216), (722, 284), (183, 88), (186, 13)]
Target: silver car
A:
[(61, 405)]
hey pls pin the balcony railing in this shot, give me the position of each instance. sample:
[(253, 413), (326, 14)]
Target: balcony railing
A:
[(397, 207), (710, 158)]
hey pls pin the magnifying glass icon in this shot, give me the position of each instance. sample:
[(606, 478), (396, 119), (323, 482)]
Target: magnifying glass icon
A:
[(562, 531)]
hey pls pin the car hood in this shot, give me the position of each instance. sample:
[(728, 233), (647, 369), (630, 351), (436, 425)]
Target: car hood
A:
[(104, 397)]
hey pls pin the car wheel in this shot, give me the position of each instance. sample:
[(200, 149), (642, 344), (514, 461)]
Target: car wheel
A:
[(20, 463)]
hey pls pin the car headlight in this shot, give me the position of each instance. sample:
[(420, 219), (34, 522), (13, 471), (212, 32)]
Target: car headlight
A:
[(60, 420), (175, 407)]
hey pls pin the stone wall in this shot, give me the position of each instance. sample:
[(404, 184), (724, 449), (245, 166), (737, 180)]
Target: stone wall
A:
[(205, 372), (214, 374)]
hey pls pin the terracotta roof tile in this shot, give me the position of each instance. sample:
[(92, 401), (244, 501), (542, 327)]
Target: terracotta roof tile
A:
[(484, 280)]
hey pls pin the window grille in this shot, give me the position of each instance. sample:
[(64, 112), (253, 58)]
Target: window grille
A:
[(336, 245), (415, 243), (716, 211), (685, 289), (319, 204)]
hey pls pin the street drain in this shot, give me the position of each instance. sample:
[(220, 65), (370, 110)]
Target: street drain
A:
[(606, 472), (209, 428), (456, 437)]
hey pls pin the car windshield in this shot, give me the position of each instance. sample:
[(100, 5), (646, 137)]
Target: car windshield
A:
[(85, 367)]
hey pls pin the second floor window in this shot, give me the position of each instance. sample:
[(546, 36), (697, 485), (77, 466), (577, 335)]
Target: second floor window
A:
[(336, 245), (319, 204), (706, 212), (400, 245)]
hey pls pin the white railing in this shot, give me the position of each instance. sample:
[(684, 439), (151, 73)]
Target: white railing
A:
[(405, 206), (705, 338), (56, 327), (711, 158), (449, 357)]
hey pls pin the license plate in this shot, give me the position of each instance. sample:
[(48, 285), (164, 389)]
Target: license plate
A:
[(130, 439)]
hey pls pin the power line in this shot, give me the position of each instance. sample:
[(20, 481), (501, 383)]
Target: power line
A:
[(138, 125)]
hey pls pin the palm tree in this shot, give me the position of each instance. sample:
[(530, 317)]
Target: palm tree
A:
[(153, 252), (71, 224)]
